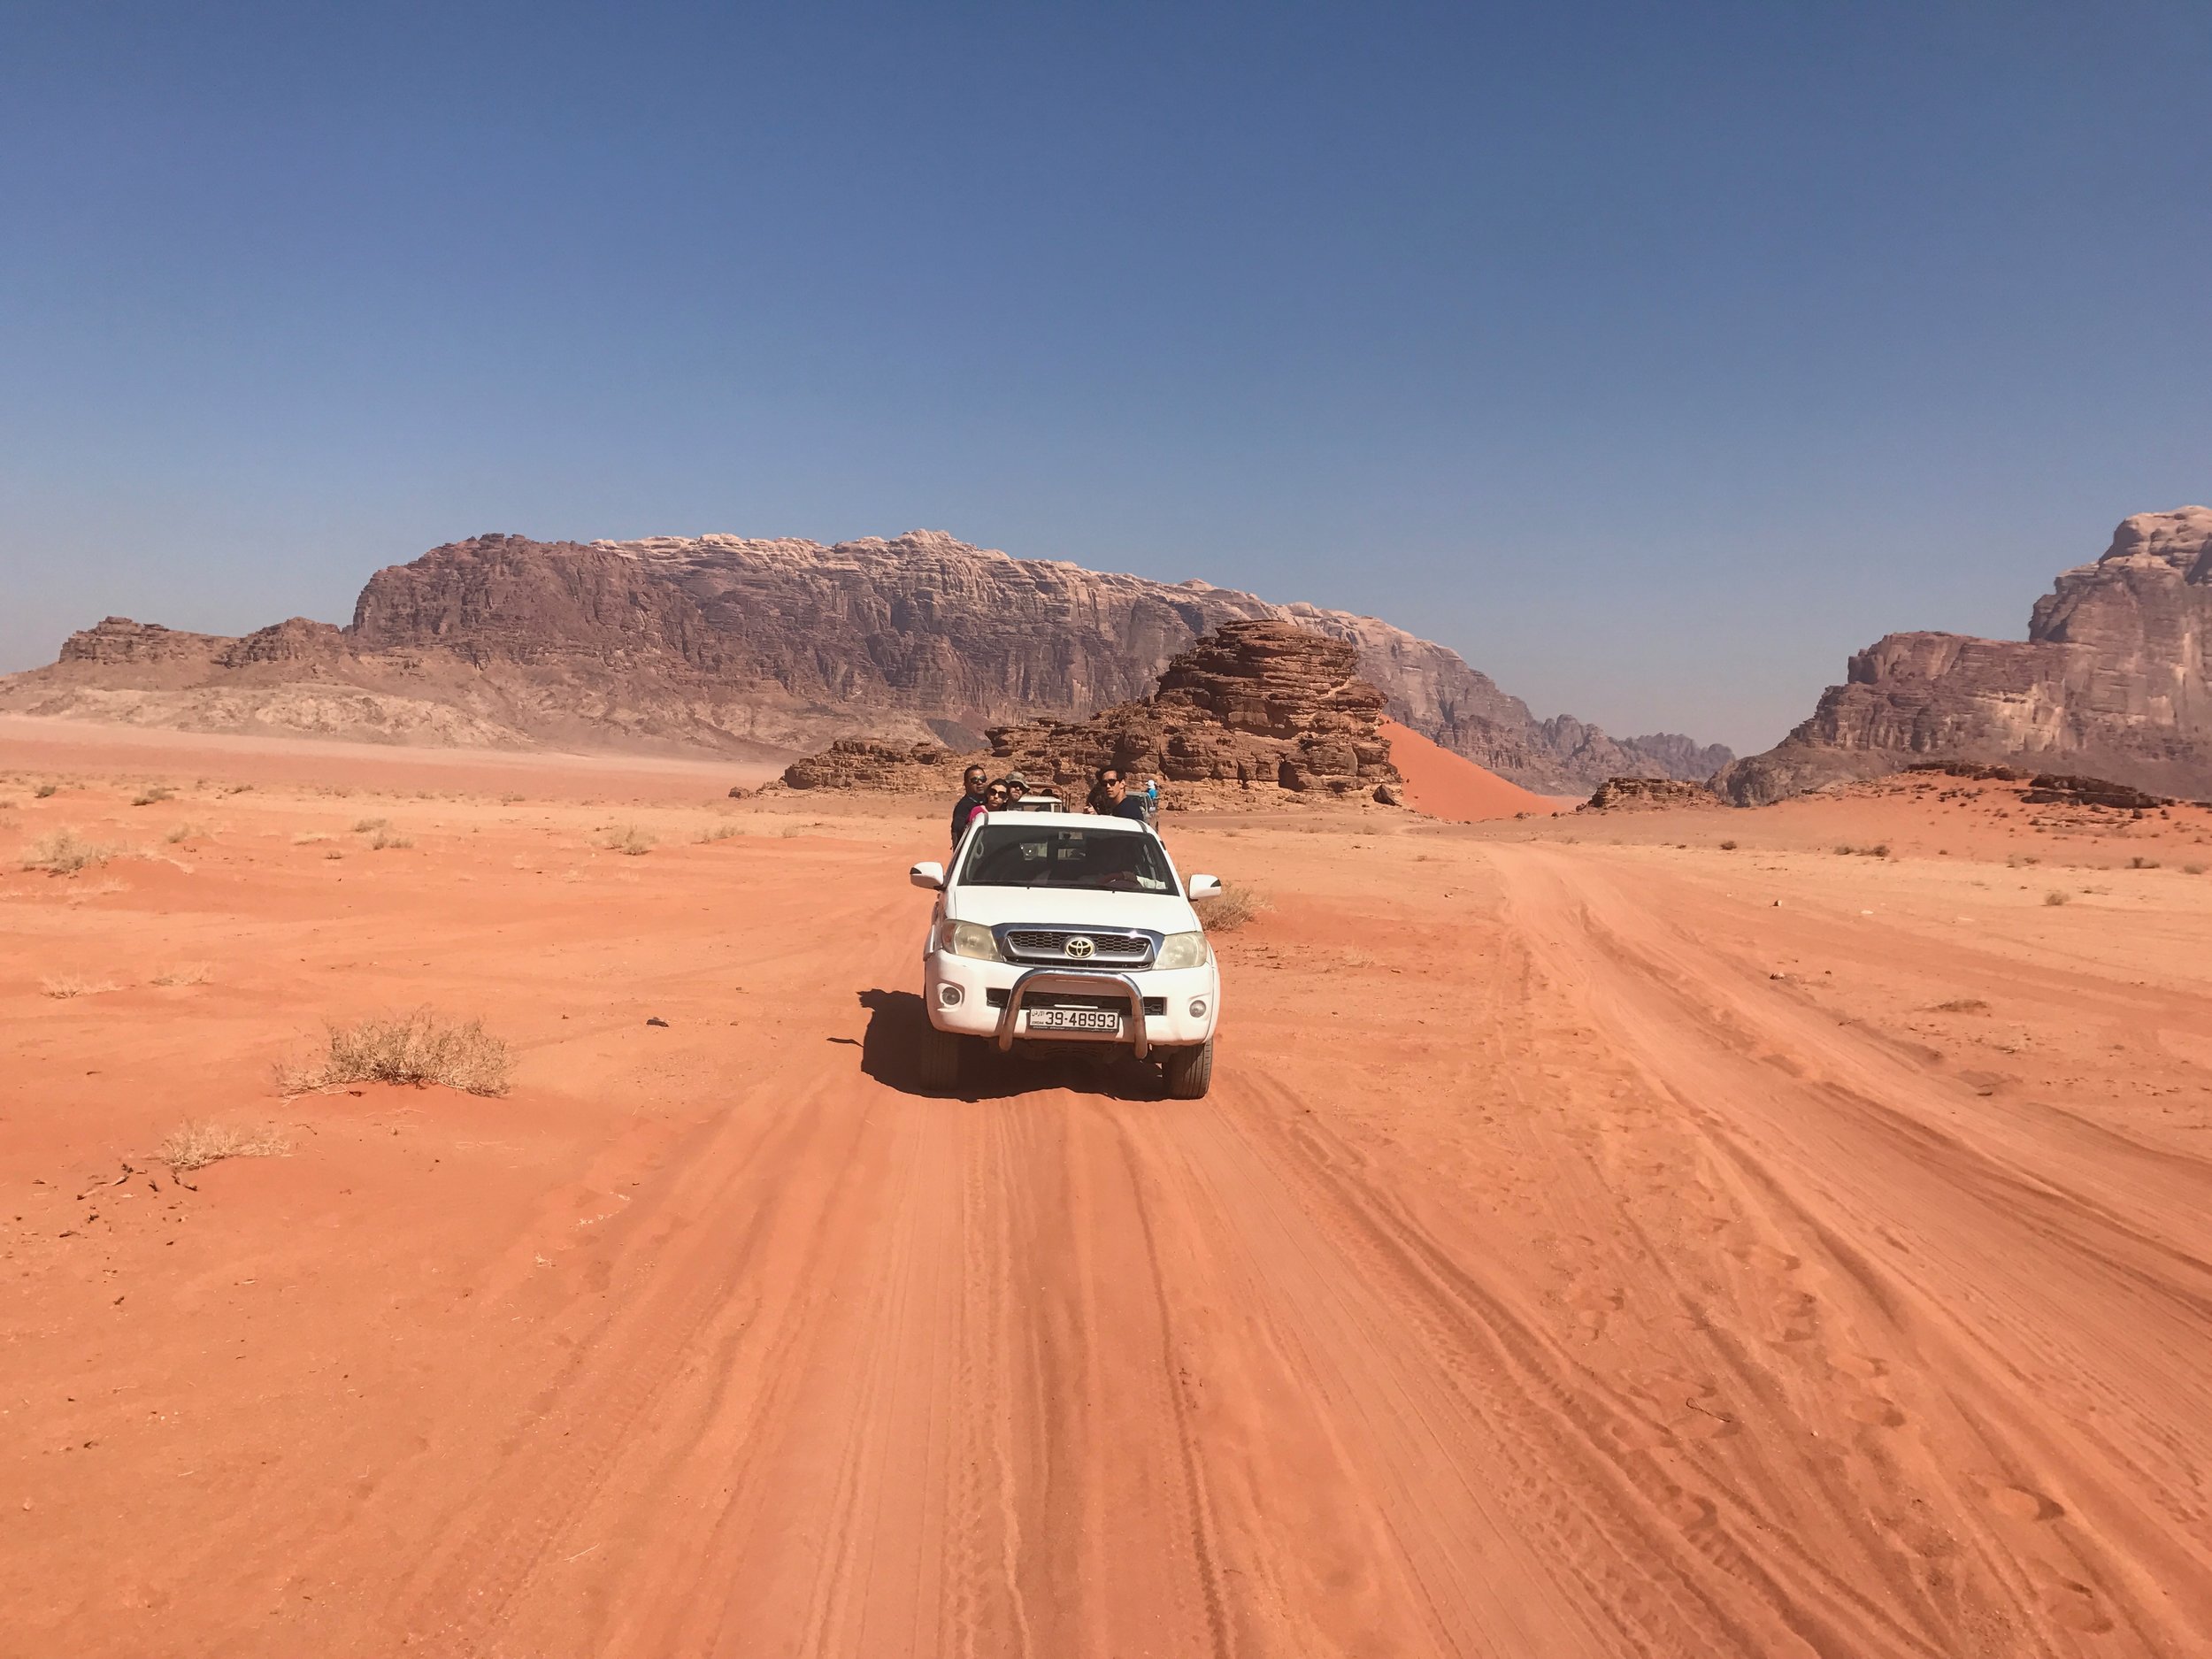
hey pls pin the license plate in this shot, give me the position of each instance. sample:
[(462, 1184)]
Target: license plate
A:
[(1103, 1022)]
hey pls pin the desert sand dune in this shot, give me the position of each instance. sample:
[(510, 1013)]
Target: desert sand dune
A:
[(1448, 785), (1599, 1240)]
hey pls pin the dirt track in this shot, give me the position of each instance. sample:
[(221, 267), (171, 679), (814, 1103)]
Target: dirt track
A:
[(1543, 1278)]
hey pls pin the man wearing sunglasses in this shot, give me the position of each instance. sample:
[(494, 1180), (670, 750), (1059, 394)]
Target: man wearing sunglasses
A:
[(970, 802), (1110, 798)]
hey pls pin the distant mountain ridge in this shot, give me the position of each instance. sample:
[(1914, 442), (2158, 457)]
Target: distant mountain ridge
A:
[(2114, 679), (725, 643)]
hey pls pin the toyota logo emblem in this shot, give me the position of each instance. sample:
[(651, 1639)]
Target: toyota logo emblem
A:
[(1079, 946)]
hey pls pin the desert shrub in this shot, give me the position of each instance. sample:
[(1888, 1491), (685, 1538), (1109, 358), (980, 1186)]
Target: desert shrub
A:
[(68, 984), (65, 852), (626, 838), (367, 825), (718, 832), (47, 791), (186, 832), (508, 799), (152, 794), (1236, 907), (415, 1048), (2140, 862), (1962, 1005), (1728, 847), (2058, 895), (183, 974), (384, 838), (2193, 870), (194, 1146)]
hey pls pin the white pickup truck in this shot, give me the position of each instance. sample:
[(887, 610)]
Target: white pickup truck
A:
[(1051, 928)]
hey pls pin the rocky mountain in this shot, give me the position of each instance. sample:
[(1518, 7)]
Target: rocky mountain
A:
[(725, 644), (2112, 680)]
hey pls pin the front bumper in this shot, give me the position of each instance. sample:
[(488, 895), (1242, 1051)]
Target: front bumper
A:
[(972, 1012)]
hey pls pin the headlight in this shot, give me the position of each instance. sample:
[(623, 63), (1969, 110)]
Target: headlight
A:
[(1182, 950), (965, 939)]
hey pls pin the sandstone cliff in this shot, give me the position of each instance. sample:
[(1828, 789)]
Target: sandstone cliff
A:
[(2112, 679), (721, 643)]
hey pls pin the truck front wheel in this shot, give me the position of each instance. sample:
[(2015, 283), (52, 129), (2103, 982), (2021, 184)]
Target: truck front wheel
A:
[(940, 1066), (1190, 1071)]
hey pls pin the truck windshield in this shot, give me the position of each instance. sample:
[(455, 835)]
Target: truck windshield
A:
[(1069, 855)]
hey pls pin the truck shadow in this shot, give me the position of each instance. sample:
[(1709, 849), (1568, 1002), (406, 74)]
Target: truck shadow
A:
[(890, 1052)]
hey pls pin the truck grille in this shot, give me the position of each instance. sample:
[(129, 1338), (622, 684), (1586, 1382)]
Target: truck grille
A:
[(1050, 944)]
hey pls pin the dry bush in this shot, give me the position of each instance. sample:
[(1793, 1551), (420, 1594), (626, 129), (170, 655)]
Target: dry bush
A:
[(308, 838), (238, 789), (2058, 895), (1728, 847), (186, 832), (47, 791), (383, 839), (65, 852), (183, 974), (194, 1146), (1236, 907), (2193, 870), (152, 794), (2140, 862), (416, 1048), (72, 985), (1962, 1005), (364, 825), (718, 832), (626, 838)]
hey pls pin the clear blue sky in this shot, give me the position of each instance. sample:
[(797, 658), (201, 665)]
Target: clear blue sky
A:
[(1654, 355)]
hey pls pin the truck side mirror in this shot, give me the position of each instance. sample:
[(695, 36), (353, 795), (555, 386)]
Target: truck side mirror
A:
[(1205, 887), (929, 875)]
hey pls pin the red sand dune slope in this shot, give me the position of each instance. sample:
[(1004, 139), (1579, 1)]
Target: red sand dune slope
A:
[(1445, 785)]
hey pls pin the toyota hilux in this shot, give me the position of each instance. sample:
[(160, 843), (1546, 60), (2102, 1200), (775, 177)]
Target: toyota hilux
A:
[(1051, 928)]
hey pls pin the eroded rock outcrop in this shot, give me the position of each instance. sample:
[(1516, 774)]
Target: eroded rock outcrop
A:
[(853, 762), (1256, 704), (2113, 679), (743, 646), (1617, 795)]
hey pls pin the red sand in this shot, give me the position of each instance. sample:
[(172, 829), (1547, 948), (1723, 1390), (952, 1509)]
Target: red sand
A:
[(1448, 785), (1652, 1233)]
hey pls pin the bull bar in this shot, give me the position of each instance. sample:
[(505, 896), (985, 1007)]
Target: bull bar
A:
[(1089, 981)]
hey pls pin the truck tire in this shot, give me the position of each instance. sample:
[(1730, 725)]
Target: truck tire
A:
[(1190, 1071), (940, 1066)]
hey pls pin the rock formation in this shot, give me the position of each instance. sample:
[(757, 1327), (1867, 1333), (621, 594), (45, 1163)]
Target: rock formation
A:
[(853, 762), (722, 643), (2111, 680), (1254, 704), (1617, 795)]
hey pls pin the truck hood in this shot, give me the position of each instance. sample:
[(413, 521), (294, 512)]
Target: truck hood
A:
[(1071, 907)]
